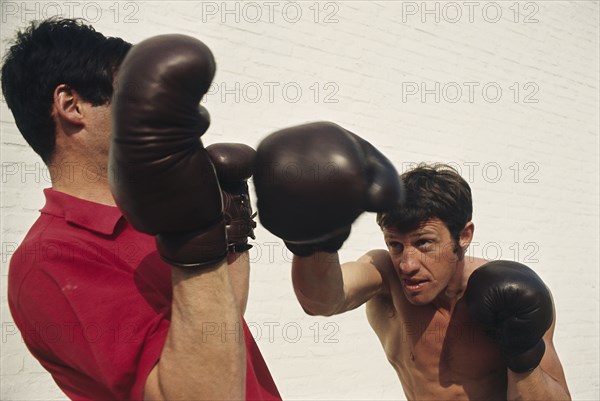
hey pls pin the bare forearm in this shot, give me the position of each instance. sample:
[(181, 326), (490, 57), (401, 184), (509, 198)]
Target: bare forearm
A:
[(318, 282), (204, 355), (535, 385), (239, 274)]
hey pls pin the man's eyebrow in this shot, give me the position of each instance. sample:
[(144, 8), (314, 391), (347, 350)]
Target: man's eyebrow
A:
[(423, 232), (416, 234)]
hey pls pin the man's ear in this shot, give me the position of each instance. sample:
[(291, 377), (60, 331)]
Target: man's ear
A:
[(466, 235), (67, 105)]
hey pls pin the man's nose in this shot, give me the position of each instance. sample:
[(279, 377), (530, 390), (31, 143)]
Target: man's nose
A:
[(409, 262)]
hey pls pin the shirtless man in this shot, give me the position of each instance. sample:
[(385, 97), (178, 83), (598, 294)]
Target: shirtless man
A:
[(452, 326)]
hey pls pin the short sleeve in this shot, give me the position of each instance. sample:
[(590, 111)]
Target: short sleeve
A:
[(93, 322)]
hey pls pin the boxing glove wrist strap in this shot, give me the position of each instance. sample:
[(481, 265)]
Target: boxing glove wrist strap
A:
[(207, 263), (238, 248), (330, 245), (195, 249)]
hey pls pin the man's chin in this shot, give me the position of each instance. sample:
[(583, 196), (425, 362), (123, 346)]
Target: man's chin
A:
[(417, 299)]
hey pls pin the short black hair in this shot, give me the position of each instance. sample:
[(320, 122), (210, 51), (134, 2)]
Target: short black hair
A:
[(50, 53), (432, 191)]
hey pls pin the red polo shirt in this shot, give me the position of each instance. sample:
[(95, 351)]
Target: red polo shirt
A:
[(92, 300)]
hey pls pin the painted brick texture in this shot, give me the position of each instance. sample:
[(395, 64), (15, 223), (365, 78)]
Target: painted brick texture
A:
[(507, 92)]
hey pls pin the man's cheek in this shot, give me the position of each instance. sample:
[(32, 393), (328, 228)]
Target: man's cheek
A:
[(445, 253)]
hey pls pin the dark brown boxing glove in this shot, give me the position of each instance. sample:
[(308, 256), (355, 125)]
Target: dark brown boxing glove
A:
[(513, 302), (162, 178), (312, 181), (234, 163)]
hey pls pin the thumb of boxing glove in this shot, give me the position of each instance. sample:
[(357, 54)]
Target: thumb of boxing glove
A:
[(386, 190)]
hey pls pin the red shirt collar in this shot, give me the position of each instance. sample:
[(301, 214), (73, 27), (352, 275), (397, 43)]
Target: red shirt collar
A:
[(89, 215)]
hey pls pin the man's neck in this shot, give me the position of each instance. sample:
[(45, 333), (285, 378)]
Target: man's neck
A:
[(95, 194), (82, 181), (448, 299), (455, 290)]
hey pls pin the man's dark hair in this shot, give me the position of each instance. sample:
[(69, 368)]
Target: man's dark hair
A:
[(53, 52), (432, 191)]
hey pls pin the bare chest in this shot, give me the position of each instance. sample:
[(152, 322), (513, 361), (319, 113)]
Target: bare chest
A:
[(442, 357)]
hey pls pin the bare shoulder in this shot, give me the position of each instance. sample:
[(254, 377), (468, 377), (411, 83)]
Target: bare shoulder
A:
[(380, 259), (473, 263), (382, 304), (551, 363)]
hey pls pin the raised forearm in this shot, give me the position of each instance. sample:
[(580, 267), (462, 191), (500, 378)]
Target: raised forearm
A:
[(239, 274), (535, 385), (204, 356), (318, 283)]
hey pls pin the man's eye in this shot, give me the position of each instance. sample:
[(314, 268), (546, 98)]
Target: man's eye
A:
[(424, 243), (394, 244)]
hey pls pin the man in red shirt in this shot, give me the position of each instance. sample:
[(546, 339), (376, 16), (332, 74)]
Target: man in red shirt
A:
[(97, 305)]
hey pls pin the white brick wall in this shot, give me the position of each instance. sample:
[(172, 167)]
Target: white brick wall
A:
[(530, 153)]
